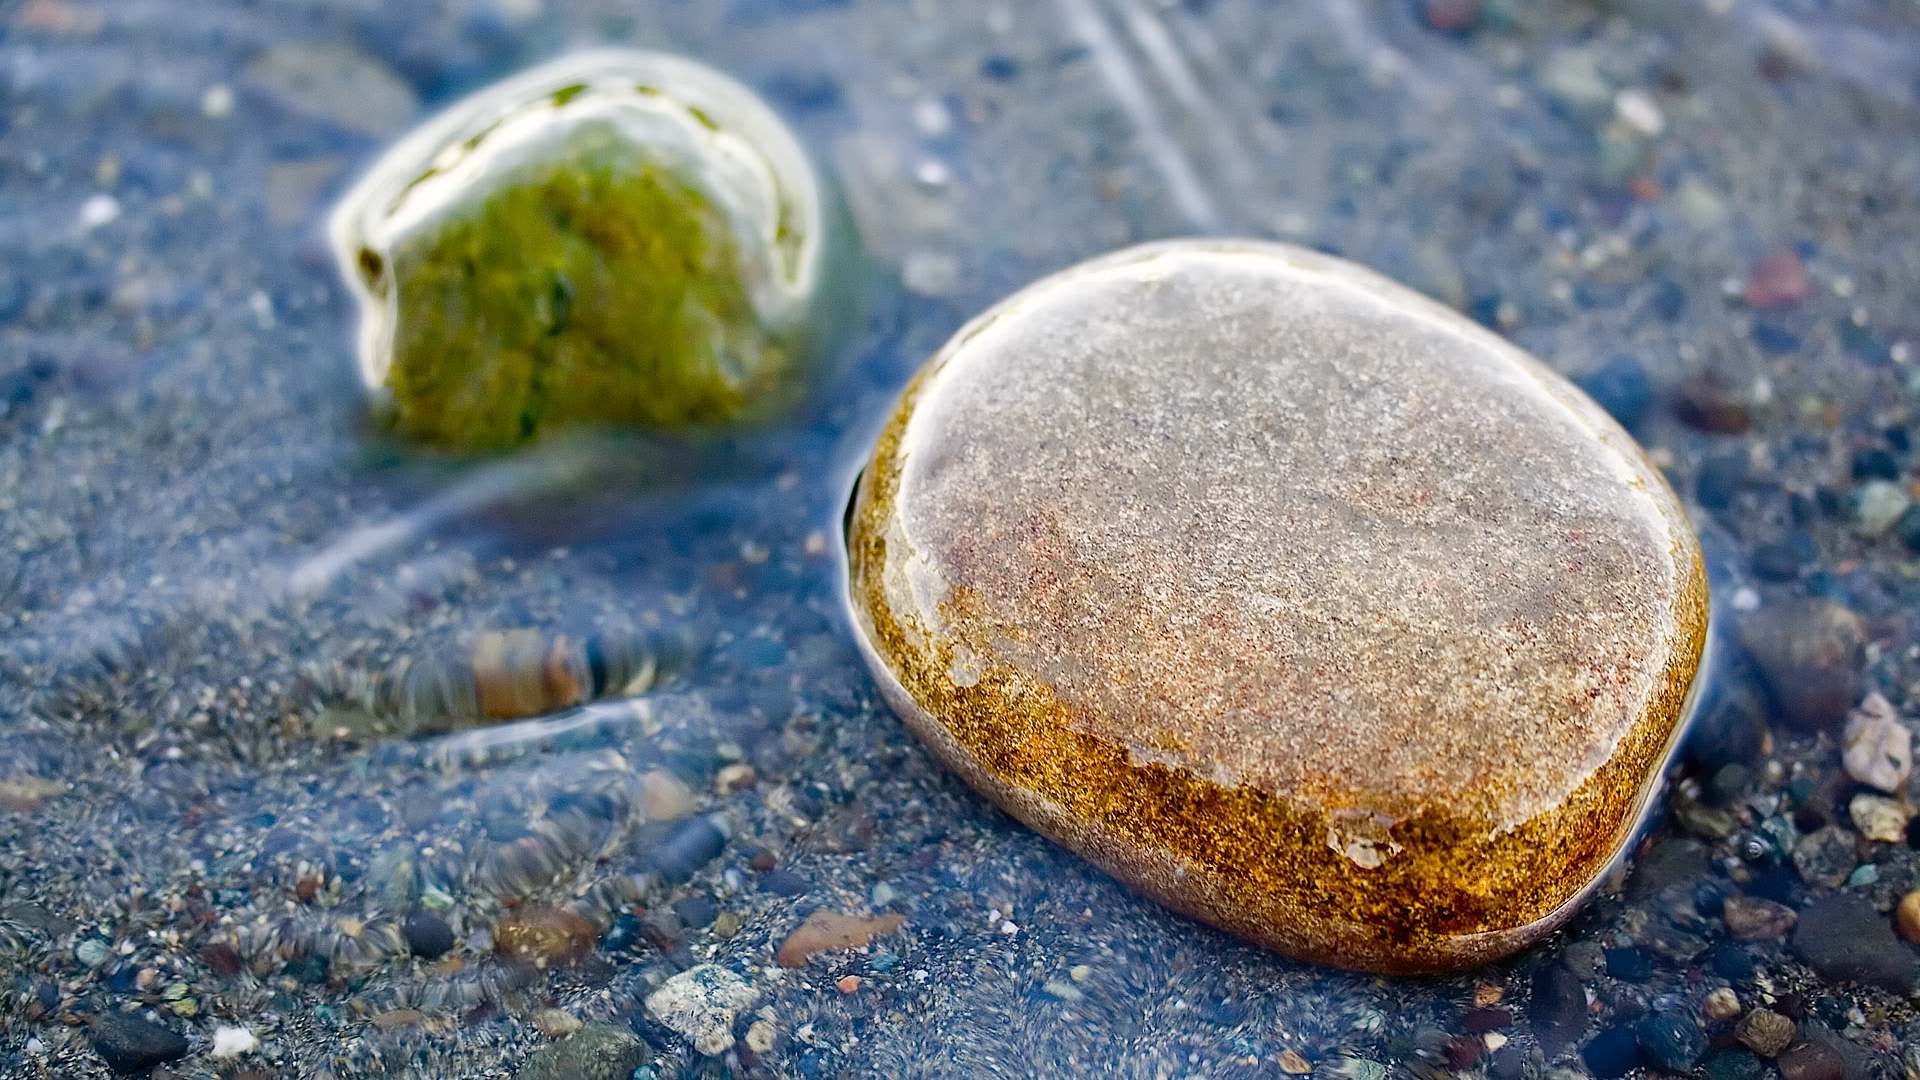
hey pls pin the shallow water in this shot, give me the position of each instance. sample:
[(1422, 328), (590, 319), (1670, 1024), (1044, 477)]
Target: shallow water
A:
[(206, 555)]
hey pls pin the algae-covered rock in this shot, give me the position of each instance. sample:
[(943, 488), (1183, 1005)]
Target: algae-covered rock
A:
[(614, 238)]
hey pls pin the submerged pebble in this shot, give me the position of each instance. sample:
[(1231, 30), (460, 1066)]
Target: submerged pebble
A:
[(594, 1052), (615, 237), (1286, 595), (700, 1003), (130, 1044)]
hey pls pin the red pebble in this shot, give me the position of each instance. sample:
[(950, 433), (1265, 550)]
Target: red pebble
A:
[(1777, 281)]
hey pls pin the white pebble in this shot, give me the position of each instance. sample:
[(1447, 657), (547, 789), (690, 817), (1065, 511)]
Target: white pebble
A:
[(932, 118), (930, 273), (1639, 112), (232, 1042), (217, 102), (98, 210)]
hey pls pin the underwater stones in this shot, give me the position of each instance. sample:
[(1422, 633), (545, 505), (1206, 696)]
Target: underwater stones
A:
[(700, 1003), (1284, 594), (131, 1044), (616, 237)]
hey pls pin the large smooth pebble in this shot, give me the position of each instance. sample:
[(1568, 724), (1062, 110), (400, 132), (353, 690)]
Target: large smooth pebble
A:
[(1286, 595)]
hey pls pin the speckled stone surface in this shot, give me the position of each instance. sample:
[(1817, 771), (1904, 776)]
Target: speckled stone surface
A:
[(1286, 595)]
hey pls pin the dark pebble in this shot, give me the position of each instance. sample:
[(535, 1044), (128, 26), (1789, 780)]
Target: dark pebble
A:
[(1450, 16), (1669, 300), (1515, 1062), (1731, 962), (310, 969), (1673, 862), (1558, 1008), (692, 844), (1621, 387), (1671, 1041), (1629, 965), (784, 883), (1811, 1060), (1734, 1064), (1780, 561), (696, 911), (626, 932), (1777, 340), (1481, 1021), (1846, 939), (1729, 731), (1712, 402), (1709, 898), (223, 958), (129, 1044), (1909, 527), (1810, 652), (1613, 1052), (1720, 480), (1876, 464), (999, 67), (428, 935), (1729, 783)]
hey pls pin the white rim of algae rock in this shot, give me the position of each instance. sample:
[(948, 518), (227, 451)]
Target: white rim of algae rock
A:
[(1513, 817), (711, 129)]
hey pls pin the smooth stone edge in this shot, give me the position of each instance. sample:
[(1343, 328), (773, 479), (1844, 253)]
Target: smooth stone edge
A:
[(1216, 904), (352, 223)]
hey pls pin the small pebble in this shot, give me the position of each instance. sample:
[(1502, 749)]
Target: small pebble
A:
[(1878, 818), (1557, 1007), (693, 843), (664, 796), (1614, 1052), (1620, 386), (1777, 281), (760, 1036), (1906, 916), (1714, 402), (428, 936), (825, 931), (98, 210), (731, 778), (544, 936), (556, 1023), (700, 1003), (1765, 1032), (1876, 748), (595, 1052), (1826, 856), (1293, 1064), (1753, 918), (1810, 653), (233, 1042), (130, 1044), (1450, 16), (1721, 1004), (1909, 528), (1630, 964), (1878, 505), (1671, 1040), (848, 984)]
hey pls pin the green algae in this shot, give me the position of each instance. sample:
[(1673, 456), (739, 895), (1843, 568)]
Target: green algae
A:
[(598, 287)]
